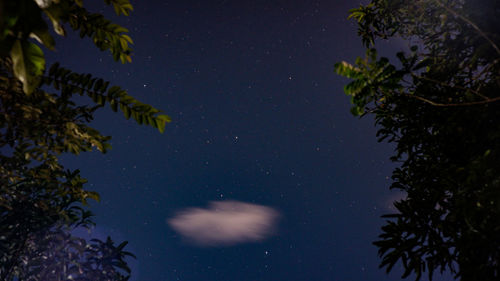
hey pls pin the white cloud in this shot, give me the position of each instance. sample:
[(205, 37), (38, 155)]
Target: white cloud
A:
[(225, 223)]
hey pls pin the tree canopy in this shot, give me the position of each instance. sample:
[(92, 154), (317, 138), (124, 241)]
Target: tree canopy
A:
[(440, 105), (41, 202)]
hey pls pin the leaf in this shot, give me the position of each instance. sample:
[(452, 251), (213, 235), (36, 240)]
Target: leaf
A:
[(357, 111), (114, 105), (53, 69), (6, 46), (28, 64), (127, 38), (347, 70), (42, 35), (122, 245), (55, 12), (126, 111), (355, 87), (93, 195), (424, 63), (113, 91), (161, 127), (164, 118), (97, 86)]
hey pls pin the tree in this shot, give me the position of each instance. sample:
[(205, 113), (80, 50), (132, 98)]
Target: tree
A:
[(41, 202), (440, 105)]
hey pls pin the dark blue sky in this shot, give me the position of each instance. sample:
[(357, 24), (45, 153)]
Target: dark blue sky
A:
[(259, 117)]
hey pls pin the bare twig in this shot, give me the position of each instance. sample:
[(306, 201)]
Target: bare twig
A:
[(451, 86), (487, 68), (453, 104), (472, 24)]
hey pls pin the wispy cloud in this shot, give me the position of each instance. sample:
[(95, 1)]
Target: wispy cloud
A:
[(225, 223)]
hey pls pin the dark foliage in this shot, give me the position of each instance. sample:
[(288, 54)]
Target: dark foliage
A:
[(441, 108), (42, 203)]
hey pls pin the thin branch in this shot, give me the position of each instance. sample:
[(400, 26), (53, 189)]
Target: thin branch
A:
[(487, 68), (14, 261), (453, 104), (17, 183), (451, 86), (472, 24)]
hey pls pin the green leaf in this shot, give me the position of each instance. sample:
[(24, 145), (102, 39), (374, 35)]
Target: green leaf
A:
[(161, 126), (8, 23), (97, 86), (347, 70), (355, 87), (114, 105), (55, 12), (126, 111), (28, 64), (93, 195), (164, 118), (42, 35), (53, 69), (127, 38), (357, 111), (113, 91)]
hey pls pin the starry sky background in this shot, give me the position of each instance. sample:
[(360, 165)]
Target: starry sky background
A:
[(259, 116)]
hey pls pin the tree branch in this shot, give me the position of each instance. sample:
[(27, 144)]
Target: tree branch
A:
[(472, 24), (453, 104), (451, 86), (487, 68)]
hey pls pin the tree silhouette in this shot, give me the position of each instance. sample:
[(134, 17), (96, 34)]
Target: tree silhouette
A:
[(41, 202), (441, 107)]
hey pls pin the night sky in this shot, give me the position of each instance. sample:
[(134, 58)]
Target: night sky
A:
[(263, 173)]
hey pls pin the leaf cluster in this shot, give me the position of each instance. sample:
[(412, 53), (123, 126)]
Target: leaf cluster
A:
[(41, 117), (440, 105), (24, 19), (99, 91), (37, 218)]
